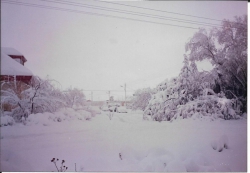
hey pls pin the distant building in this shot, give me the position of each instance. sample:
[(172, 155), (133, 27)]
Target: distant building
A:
[(12, 66)]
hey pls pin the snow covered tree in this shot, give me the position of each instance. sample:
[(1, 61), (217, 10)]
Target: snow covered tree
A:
[(163, 103), (11, 86), (39, 96), (12, 98), (74, 97), (141, 98), (226, 48), (43, 96), (185, 80), (219, 93)]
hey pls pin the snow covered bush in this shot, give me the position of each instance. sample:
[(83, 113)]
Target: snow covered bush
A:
[(68, 114), (163, 102), (141, 98), (61, 115), (43, 96), (6, 121), (39, 96), (191, 94), (210, 106), (40, 118)]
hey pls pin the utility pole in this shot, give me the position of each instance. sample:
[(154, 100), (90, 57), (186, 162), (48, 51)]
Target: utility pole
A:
[(108, 94), (125, 93), (91, 95)]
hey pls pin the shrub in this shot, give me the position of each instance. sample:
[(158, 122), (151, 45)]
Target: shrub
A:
[(6, 121)]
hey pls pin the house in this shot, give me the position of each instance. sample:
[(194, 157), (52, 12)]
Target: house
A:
[(12, 66)]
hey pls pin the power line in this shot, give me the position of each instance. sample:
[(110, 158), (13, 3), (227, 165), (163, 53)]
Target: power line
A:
[(159, 10), (167, 12), (132, 13), (109, 90), (90, 13)]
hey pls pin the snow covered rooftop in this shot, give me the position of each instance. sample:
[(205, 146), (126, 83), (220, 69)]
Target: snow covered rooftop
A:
[(10, 51), (11, 67), (13, 52)]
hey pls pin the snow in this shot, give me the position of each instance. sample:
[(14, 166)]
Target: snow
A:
[(12, 67), (64, 114), (122, 109), (10, 51), (96, 109), (105, 108), (6, 121), (124, 143)]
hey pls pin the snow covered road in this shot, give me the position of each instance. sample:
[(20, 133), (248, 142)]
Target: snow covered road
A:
[(183, 145)]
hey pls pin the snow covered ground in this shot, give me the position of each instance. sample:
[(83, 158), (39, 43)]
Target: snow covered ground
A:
[(126, 143)]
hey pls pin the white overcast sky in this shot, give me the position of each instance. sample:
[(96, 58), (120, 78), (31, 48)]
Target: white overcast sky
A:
[(100, 53)]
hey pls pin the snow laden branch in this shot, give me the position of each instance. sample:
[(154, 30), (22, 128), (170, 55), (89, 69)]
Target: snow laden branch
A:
[(141, 98), (74, 97), (39, 96), (219, 93), (226, 48)]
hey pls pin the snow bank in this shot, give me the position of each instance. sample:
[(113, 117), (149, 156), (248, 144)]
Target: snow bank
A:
[(12, 162), (130, 154), (95, 109), (47, 118), (175, 166), (183, 145), (161, 160), (84, 114), (6, 121), (40, 118), (64, 114)]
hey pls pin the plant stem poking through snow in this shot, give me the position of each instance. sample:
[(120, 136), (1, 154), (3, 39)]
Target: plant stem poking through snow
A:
[(120, 155), (63, 168)]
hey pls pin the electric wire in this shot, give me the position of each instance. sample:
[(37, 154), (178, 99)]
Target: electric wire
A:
[(109, 90), (91, 13), (133, 13), (159, 10)]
